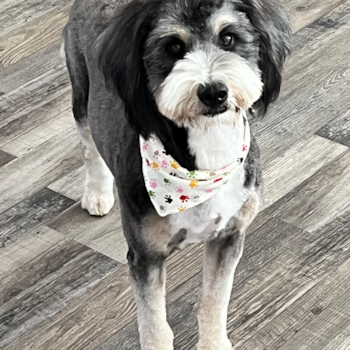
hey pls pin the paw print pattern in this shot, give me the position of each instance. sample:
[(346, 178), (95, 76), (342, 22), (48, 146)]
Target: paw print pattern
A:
[(167, 182), (179, 189), (175, 164), (164, 164), (152, 194), (194, 184), (144, 146), (168, 199), (240, 160), (245, 147), (153, 183), (155, 166), (184, 198), (196, 196), (181, 208), (156, 154), (192, 173), (162, 209)]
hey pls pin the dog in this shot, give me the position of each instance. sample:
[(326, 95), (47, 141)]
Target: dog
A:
[(162, 91)]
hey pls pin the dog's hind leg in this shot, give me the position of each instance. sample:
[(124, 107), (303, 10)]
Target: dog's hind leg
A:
[(98, 197), (221, 258)]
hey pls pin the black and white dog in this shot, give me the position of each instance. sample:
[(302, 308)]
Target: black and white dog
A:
[(166, 84)]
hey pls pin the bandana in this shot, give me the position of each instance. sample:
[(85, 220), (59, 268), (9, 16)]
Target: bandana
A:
[(171, 187)]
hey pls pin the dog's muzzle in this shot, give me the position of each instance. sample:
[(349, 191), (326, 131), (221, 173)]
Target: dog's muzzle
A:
[(214, 96)]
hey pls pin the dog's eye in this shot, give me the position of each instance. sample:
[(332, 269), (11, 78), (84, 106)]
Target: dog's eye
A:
[(226, 40), (176, 49)]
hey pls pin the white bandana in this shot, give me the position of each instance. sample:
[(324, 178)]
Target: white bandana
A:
[(173, 188)]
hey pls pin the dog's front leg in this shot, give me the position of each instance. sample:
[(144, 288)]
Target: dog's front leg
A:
[(221, 257), (148, 275)]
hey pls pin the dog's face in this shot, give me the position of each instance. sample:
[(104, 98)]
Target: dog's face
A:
[(201, 60), (196, 59)]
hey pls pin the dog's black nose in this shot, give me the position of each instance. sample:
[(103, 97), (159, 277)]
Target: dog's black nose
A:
[(213, 95)]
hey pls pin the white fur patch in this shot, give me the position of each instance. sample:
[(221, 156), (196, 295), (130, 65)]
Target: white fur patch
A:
[(177, 98)]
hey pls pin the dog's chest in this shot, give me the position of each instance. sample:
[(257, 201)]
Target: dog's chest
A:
[(214, 149)]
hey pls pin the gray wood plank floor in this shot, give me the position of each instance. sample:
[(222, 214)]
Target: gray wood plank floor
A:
[(63, 274)]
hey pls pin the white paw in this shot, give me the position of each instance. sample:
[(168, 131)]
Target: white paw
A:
[(227, 345), (161, 338), (96, 202), (211, 344)]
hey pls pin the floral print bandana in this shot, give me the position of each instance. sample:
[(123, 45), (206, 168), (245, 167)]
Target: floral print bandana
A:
[(171, 187)]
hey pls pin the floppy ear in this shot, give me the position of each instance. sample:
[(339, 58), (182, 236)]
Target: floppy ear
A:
[(272, 25), (120, 58)]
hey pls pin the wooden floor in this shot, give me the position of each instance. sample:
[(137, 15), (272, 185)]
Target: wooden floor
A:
[(63, 274)]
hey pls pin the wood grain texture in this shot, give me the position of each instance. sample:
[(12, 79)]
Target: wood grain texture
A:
[(26, 248), (15, 127), (314, 248), (298, 163), (338, 130), (35, 137), (325, 329), (103, 234), (44, 286), (311, 38), (327, 197), (45, 164), (288, 325), (18, 13), (5, 158), (34, 103), (29, 68), (303, 12), (70, 185), (33, 36), (30, 213)]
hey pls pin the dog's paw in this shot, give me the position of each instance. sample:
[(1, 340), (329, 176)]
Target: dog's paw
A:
[(157, 339), (227, 345), (210, 344), (97, 203)]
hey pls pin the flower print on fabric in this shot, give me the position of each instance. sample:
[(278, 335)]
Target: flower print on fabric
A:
[(172, 188)]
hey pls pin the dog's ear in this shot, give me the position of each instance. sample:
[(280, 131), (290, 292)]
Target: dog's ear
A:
[(272, 25), (120, 57)]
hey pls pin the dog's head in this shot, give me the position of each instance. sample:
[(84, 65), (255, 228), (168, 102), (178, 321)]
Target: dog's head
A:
[(189, 60)]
